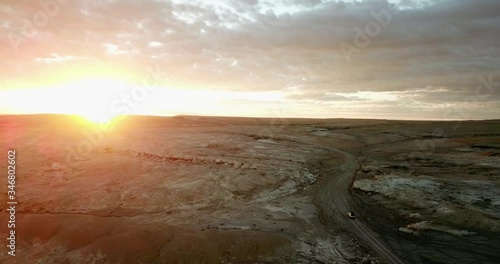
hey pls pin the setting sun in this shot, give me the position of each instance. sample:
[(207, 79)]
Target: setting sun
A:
[(95, 97)]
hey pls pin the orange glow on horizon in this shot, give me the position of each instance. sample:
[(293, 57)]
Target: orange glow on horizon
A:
[(89, 98)]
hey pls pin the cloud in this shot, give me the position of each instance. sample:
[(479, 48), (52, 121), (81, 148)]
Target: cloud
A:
[(429, 52)]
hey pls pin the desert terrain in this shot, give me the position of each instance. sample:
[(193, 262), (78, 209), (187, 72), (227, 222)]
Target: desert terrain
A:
[(190, 189)]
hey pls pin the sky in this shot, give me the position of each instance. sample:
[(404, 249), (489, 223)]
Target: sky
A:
[(434, 59)]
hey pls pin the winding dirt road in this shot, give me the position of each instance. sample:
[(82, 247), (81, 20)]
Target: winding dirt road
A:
[(335, 198)]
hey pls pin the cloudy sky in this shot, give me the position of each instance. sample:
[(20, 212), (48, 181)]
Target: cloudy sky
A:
[(313, 58)]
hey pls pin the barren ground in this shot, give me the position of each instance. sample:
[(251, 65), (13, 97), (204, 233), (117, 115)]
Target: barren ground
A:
[(235, 190)]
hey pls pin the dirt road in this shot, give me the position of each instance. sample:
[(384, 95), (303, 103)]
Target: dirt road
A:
[(335, 199)]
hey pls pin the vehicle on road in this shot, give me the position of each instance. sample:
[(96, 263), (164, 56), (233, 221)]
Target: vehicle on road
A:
[(351, 215)]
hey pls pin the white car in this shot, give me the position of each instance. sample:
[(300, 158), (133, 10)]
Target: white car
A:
[(351, 215)]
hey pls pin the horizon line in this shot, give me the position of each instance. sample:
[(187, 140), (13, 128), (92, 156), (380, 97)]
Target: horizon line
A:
[(261, 117)]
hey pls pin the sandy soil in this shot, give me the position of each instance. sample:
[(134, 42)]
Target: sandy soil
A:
[(235, 190)]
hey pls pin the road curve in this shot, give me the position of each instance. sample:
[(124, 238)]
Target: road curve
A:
[(334, 200)]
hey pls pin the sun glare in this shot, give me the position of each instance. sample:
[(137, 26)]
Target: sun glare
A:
[(96, 117), (93, 98), (97, 100)]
